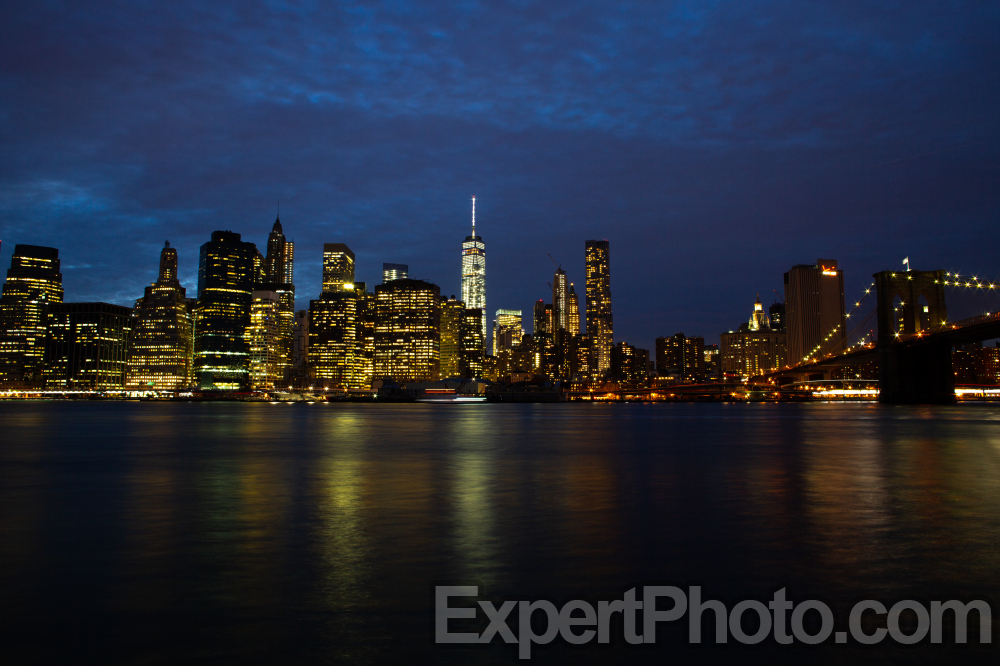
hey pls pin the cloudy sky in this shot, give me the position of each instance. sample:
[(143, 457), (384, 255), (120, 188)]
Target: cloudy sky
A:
[(714, 144)]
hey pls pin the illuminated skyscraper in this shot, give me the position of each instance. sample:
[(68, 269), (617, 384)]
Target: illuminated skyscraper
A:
[(268, 358), (364, 343), (814, 302), (474, 271), (451, 337), (392, 272), (227, 273), (539, 320), (572, 312), (163, 337), (338, 267), (87, 346), (758, 320), (288, 277), (333, 322), (507, 330), (407, 330), (277, 278), (33, 283), (473, 344), (750, 352), (600, 326), (560, 300)]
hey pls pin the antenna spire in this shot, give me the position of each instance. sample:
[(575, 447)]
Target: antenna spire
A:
[(473, 215)]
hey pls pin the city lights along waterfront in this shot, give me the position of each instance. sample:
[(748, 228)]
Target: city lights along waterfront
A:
[(913, 337)]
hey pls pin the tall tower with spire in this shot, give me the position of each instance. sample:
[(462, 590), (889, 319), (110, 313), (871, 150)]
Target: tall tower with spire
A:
[(278, 269), (474, 271)]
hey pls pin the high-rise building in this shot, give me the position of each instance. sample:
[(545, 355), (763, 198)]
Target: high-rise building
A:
[(474, 271), (581, 358), (392, 272), (600, 325), (452, 311), (407, 330), (227, 275), (749, 353), (472, 363), (540, 320), (333, 332), (33, 284), (277, 278), (681, 357), (163, 337), (776, 313), (573, 312), (629, 364), (338, 268), (364, 344), (268, 359), (300, 342), (560, 300), (814, 305), (87, 346), (507, 330)]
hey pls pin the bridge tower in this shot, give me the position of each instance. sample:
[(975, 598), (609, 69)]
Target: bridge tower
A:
[(913, 370)]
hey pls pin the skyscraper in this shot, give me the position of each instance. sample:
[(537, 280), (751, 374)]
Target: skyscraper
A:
[(338, 267), (507, 330), (474, 271), (560, 300), (33, 284), (87, 346), (407, 330), (392, 272), (274, 262), (539, 320), (268, 359), (758, 320), (451, 337), (227, 272), (333, 321), (472, 344), (751, 351), (814, 308), (776, 313), (163, 337), (572, 312), (364, 343), (600, 327)]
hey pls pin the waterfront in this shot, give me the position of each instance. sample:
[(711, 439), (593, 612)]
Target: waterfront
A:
[(297, 533)]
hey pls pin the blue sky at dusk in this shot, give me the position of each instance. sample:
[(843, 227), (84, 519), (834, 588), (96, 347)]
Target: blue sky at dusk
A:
[(714, 144)]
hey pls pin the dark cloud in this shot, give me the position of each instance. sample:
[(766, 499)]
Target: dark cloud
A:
[(713, 143)]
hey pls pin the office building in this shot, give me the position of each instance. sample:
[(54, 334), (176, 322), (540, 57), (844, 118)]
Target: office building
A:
[(600, 325), (758, 320), (87, 346), (163, 338), (629, 364), (338, 268), (407, 330), (277, 278), (268, 348), (572, 312), (473, 344), (474, 271), (392, 272), (33, 284), (713, 367), (333, 331), (452, 310), (581, 358), (540, 318), (364, 344), (776, 313), (560, 301), (749, 353), (680, 357), (227, 275), (300, 342), (507, 330), (814, 307)]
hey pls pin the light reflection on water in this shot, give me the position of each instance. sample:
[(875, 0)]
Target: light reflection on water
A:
[(162, 532)]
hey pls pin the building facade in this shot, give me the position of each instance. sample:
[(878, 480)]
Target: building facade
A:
[(600, 324), (560, 300), (392, 272), (507, 330), (452, 310), (333, 331), (474, 271), (572, 311), (33, 284), (407, 331), (162, 355), (472, 362), (814, 307), (268, 349), (227, 274), (88, 346)]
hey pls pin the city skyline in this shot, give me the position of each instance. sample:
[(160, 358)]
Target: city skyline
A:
[(703, 145)]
